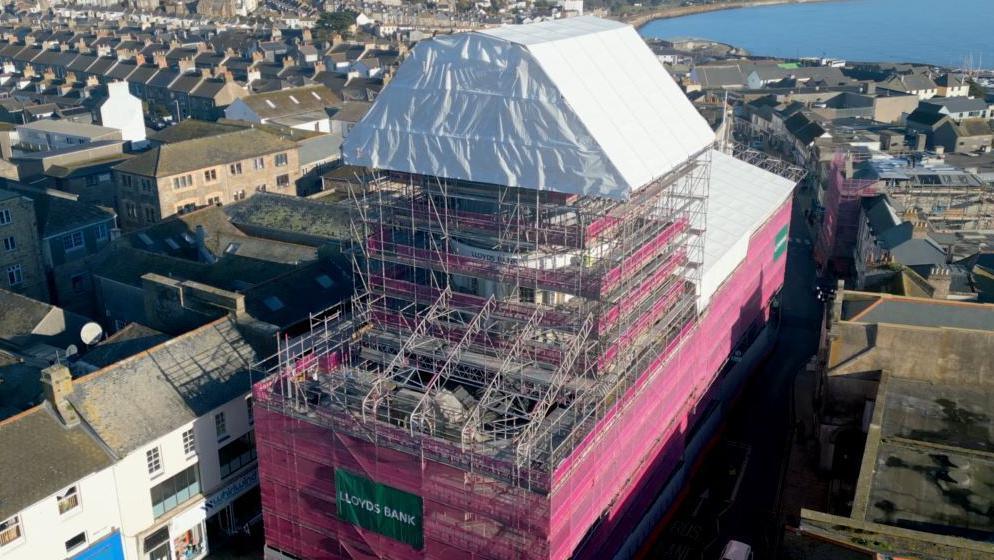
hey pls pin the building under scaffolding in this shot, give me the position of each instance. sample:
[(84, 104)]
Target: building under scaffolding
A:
[(545, 312)]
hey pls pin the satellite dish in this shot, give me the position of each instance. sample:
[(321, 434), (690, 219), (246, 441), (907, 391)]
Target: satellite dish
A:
[(90, 333), (71, 350)]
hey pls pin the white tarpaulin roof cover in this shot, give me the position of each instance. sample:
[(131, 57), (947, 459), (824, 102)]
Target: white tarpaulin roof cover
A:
[(742, 197), (578, 105)]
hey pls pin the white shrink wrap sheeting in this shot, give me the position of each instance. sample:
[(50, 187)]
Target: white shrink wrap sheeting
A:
[(579, 106)]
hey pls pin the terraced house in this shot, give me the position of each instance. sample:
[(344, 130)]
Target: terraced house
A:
[(178, 177)]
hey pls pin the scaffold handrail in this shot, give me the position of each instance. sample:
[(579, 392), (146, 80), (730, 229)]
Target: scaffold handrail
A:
[(526, 439), (418, 414), (474, 421), (372, 399)]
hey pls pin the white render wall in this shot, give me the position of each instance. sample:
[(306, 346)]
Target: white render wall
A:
[(123, 111), (135, 484), (119, 497), (45, 530)]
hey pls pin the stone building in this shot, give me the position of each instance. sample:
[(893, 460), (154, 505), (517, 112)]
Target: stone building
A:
[(20, 253), (179, 177)]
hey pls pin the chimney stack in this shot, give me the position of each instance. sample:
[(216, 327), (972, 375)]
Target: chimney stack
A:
[(57, 384)]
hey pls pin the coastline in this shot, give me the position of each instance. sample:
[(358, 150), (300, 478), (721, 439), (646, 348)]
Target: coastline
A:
[(641, 19)]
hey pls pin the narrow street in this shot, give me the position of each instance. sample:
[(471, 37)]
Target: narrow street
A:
[(762, 423)]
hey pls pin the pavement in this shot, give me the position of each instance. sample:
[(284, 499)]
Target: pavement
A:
[(761, 421)]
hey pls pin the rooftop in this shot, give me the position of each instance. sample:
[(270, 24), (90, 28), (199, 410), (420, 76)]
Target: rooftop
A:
[(933, 468), (922, 313), (605, 127), (39, 470), (200, 153), (154, 392), (69, 128)]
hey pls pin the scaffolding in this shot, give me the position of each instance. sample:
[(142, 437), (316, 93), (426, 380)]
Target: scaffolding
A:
[(840, 223), (494, 326)]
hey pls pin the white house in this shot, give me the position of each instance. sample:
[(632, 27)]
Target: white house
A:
[(123, 111), (46, 134), (177, 418), (303, 108), (167, 450), (57, 499)]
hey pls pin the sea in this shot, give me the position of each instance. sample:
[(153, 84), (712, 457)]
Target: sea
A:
[(954, 33)]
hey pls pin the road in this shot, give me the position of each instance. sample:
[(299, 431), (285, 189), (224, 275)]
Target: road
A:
[(761, 421)]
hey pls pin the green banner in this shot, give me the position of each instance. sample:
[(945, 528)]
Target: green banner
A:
[(380, 508), (780, 244)]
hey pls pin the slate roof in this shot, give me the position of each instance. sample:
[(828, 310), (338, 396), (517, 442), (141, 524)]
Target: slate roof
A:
[(142, 74), (127, 342), (190, 129), (142, 398), (57, 215), (929, 313), (291, 101), (954, 104), (82, 62), (19, 315), (351, 111), (102, 65), (121, 71), (291, 298), (711, 77), (42, 457), (192, 155)]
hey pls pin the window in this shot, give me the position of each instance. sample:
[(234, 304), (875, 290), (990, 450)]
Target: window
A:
[(189, 442), (526, 295), (146, 186), (4, 217), (132, 210), (75, 542), (126, 180), (282, 181), (9, 244), (258, 163), (214, 200), (184, 208), (260, 188), (182, 181), (210, 175), (281, 160), (72, 241), (15, 276), (220, 426), (172, 492), (149, 214), (237, 454), (249, 410), (156, 545), (10, 531), (102, 232), (153, 459), (235, 168), (68, 500), (239, 195)]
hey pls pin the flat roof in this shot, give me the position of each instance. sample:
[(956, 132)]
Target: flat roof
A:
[(742, 197), (933, 466), (68, 127)]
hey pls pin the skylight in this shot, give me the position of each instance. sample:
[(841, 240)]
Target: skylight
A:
[(324, 281)]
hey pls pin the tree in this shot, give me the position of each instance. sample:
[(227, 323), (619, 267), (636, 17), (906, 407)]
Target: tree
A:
[(336, 22)]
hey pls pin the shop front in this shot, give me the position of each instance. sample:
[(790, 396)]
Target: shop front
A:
[(234, 509), (183, 538)]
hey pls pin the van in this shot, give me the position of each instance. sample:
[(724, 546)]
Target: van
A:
[(736, 550)]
